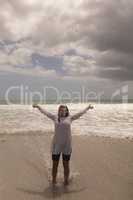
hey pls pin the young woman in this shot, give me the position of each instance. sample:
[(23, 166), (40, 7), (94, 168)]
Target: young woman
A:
[(62, 140)]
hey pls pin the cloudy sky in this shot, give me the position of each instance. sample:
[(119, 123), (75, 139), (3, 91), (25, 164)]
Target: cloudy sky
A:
[(66, 44)]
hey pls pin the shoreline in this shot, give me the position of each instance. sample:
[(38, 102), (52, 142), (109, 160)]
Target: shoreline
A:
[(47, 133)]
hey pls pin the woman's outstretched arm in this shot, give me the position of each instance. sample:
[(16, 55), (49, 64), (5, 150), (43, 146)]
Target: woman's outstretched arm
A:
[(79, 114), (45, 112)]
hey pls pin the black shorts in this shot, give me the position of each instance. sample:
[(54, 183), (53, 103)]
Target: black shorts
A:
[(65, 157)]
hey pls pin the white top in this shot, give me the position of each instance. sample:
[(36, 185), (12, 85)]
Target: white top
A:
[(62, 140)]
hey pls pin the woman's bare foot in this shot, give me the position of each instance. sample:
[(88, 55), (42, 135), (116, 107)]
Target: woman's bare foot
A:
[(54, 182), (66, 182)]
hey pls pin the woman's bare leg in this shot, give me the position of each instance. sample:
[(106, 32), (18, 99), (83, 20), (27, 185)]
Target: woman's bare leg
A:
[(66, 171), (54, 171)]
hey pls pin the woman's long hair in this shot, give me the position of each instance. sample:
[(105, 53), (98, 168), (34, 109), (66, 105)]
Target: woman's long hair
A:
[(67, 111)]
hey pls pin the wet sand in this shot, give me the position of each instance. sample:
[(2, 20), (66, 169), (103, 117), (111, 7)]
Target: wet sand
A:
[(102, 168)]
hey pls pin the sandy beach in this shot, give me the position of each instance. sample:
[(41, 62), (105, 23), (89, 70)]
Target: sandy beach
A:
[(102, 168)]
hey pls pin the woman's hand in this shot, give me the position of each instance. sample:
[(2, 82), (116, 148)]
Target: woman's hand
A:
[(90, 106), (35, 106)]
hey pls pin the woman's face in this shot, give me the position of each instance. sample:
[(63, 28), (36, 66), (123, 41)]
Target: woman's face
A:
[(62, 111)]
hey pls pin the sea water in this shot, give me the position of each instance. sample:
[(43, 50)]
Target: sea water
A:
[(113, 120)]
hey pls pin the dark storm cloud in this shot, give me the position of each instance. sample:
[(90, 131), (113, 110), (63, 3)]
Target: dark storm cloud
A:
[(89, 35), (107, 27), (115, 65)]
